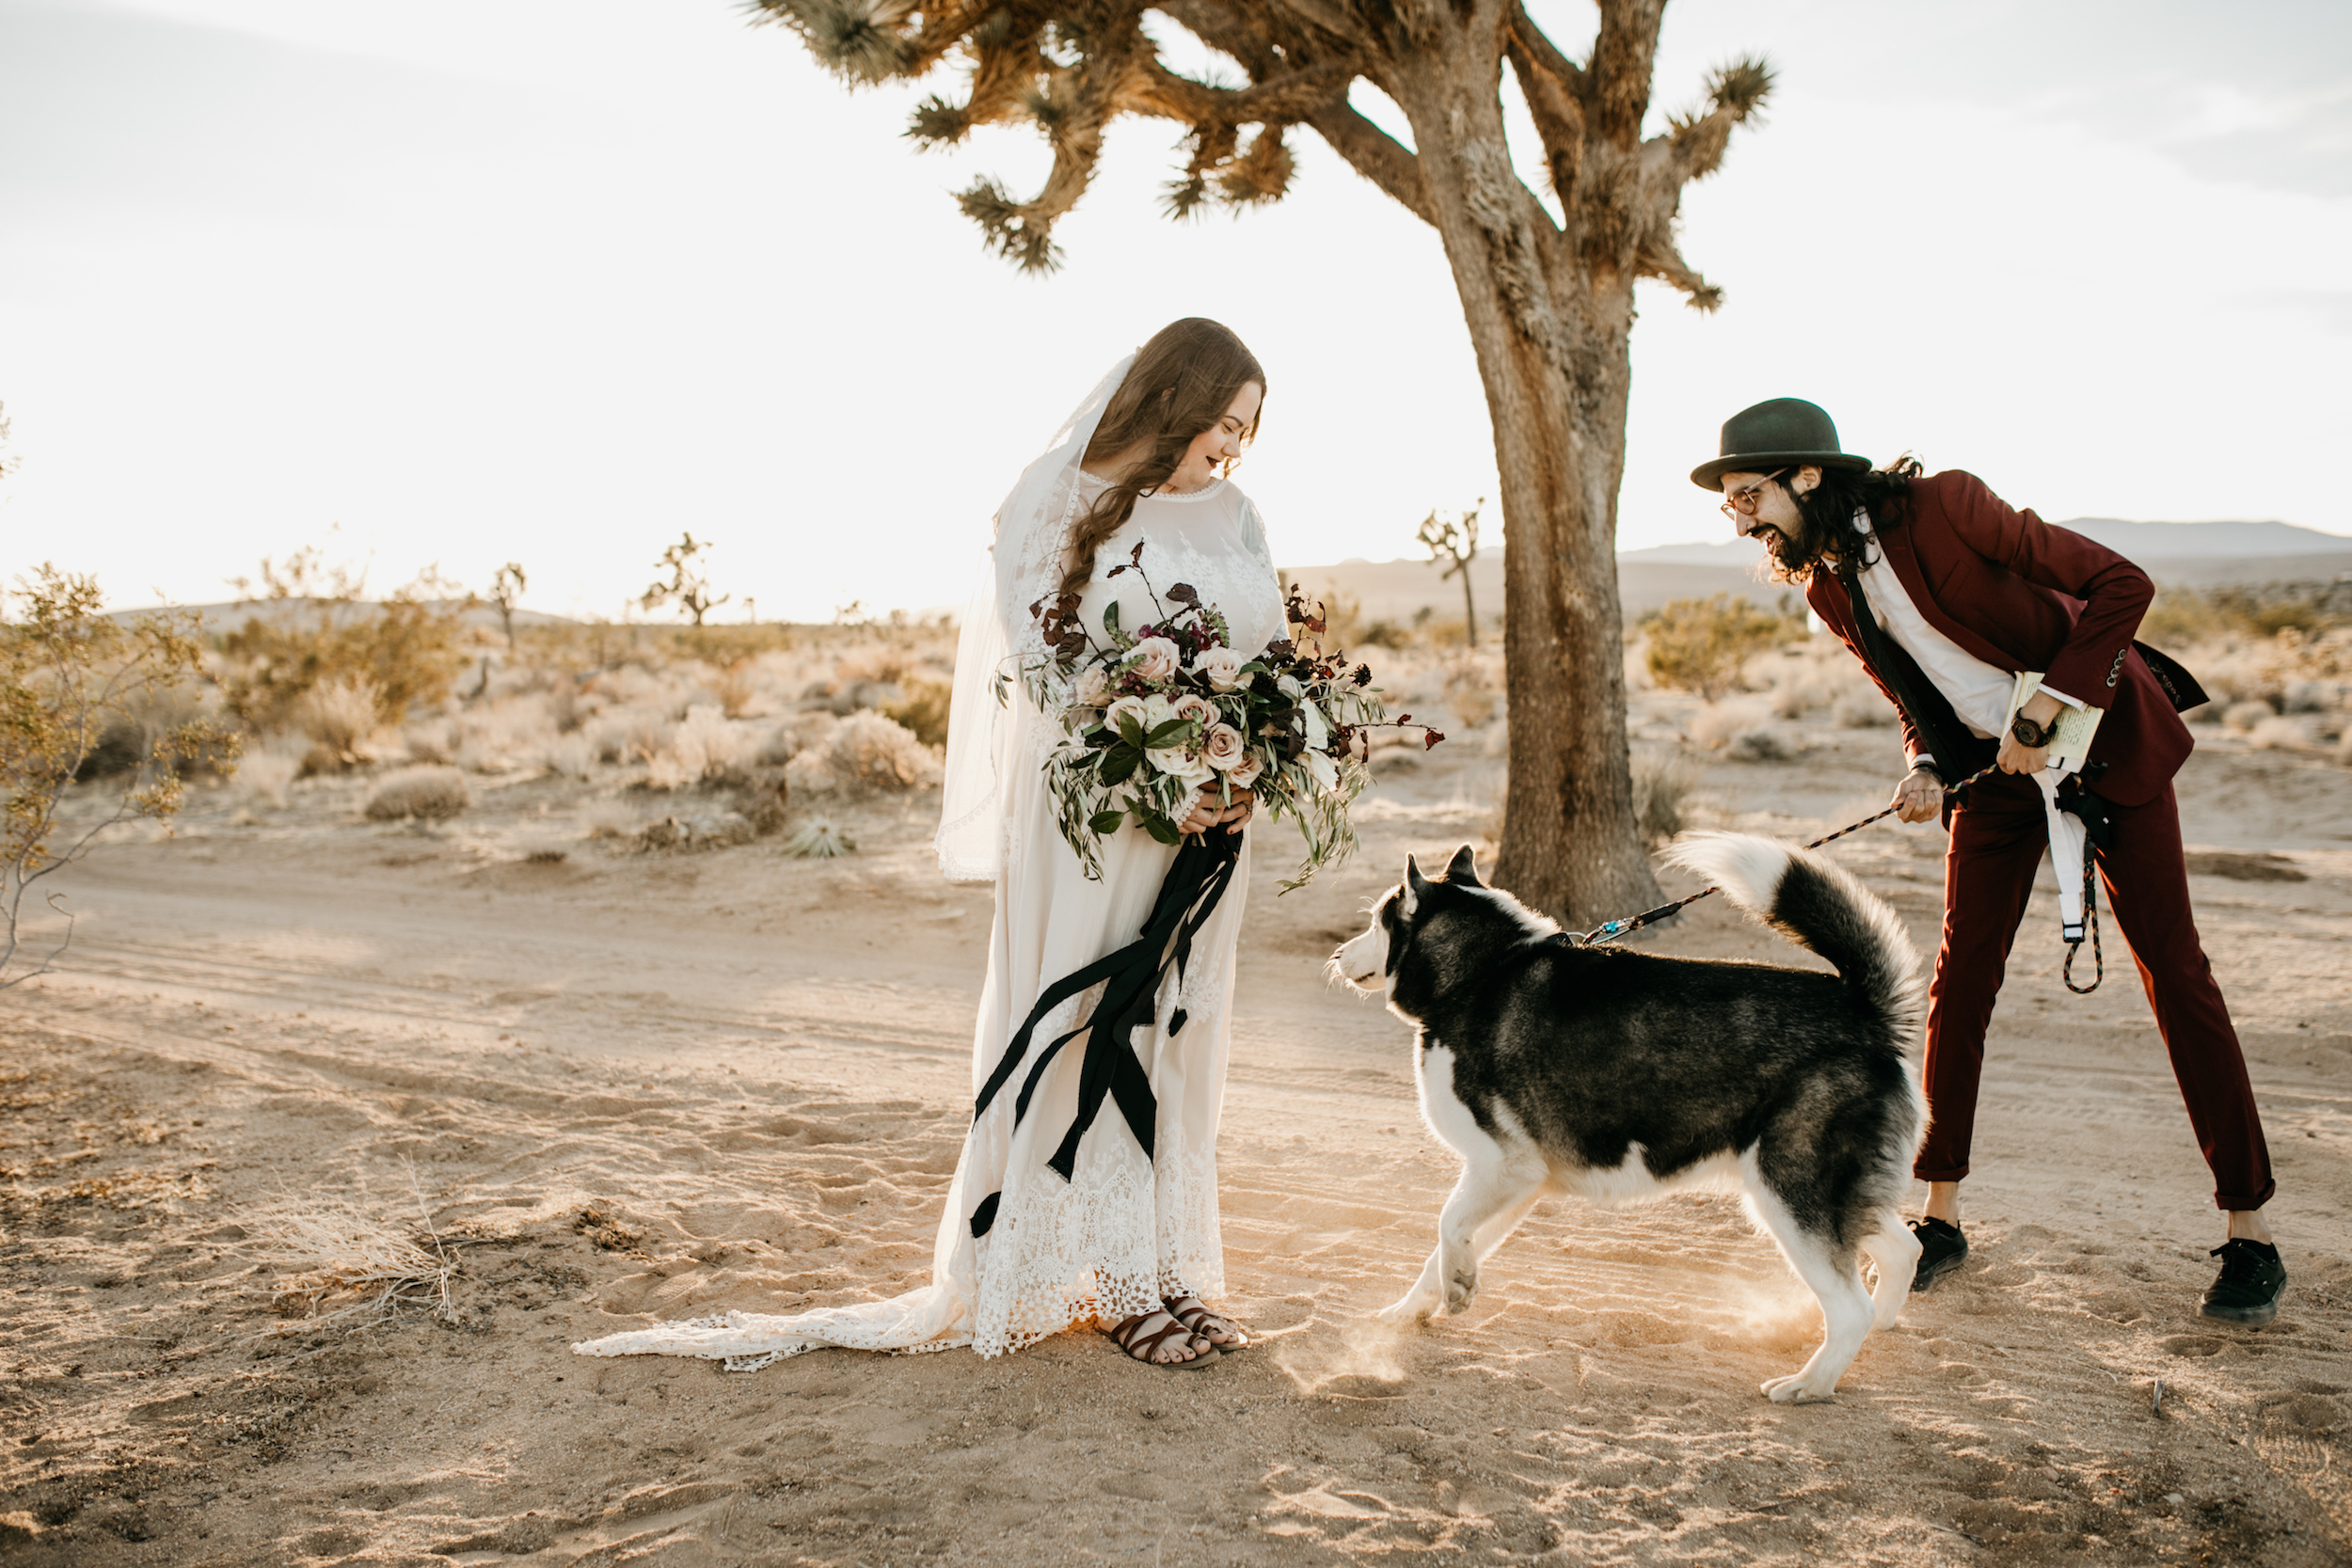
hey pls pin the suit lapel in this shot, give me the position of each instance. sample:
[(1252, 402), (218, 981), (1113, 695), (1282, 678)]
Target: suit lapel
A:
[(1905, 560)]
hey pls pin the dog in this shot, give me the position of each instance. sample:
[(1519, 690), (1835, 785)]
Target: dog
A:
[(1554, 1067)]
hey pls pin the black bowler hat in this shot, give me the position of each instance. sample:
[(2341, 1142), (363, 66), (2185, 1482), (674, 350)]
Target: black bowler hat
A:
[(1775, 433)]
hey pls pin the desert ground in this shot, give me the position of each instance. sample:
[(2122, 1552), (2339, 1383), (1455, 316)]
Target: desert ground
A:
[(566, 1078)]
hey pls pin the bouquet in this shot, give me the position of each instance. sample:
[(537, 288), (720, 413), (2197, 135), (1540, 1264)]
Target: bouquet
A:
[(1153, 715)]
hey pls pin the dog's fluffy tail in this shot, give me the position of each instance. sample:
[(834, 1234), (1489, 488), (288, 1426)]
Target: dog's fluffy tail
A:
[(1816, 905)]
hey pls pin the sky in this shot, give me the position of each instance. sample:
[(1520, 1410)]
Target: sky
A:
[(456, 282)]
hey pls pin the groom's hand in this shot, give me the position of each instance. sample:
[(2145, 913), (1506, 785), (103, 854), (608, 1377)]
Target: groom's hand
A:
[(1919, 797)]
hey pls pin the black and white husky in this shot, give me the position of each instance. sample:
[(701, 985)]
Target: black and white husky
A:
[(1611, 1073)]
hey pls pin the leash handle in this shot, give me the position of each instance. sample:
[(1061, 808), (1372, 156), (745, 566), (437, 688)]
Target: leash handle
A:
[(2091, 919), (1609, 930)]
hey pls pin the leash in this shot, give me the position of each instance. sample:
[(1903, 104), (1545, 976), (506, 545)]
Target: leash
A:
[(2091, 918), (1609, 930)]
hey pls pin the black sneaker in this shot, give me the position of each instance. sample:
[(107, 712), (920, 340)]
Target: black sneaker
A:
[(1942, 1249), (2252, 1281)]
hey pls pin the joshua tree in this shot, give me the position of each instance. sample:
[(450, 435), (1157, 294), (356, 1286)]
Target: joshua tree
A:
[(505, 589), (688, 588), (1445, 538), (1548, 302)]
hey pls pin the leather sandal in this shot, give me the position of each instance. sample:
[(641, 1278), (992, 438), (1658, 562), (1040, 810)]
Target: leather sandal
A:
[(1140, 1347), (1198, 1315)]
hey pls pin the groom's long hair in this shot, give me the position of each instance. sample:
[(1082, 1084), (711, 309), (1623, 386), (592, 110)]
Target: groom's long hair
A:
[(1827, 536), (1181, 384)]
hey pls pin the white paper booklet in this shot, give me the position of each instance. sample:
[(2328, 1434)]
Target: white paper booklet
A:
[(2071, 745)]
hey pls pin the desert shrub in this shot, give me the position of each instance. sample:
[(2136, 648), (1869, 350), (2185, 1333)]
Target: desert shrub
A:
[(2248, 716), (1661, 781), (334, 716), (68, 673), (629, 735), (863, 753), (569, 755), (923, 710), (1867, 709), (2278, 735), (796, 735), (1472, 689), (1741, 728), (403, 649), (1700, 644), (611, 817), (265, 775), (430, 794), (704, 746), (1383, 634)]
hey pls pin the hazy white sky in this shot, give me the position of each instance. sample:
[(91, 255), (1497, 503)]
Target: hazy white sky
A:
[(551, 280)]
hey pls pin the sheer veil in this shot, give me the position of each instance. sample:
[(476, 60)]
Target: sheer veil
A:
[(986, 737)]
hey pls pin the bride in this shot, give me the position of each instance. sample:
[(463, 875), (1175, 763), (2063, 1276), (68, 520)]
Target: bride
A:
[(1130, 1239)]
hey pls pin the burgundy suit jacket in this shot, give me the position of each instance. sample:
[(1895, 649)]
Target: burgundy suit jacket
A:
[(2020, 595)]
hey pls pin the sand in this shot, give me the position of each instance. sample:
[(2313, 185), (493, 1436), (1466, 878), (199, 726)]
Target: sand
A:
[(623, 1086)]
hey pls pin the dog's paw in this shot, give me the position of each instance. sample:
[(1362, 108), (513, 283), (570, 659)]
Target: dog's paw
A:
[(1796, 1390), (1460, 1289), (1406, 1312)]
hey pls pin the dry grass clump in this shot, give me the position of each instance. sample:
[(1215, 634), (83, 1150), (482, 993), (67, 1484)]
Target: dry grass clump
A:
[(266, 773), (865, 753), (1702, 645), (1742, 728), (1661, 781), (324, 1249), (336, 715), (1473, 688), (430, 794)]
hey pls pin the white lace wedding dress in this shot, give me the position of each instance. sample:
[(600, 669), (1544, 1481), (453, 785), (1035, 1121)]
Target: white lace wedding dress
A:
[(1125, 1231)]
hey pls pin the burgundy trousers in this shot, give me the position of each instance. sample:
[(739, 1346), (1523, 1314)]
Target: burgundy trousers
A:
[(1999, 840)]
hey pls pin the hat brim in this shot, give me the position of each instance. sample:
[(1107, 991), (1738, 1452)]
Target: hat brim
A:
[(1709, 475)]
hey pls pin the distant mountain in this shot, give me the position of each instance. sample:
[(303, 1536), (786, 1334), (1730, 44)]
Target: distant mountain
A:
[(2200, 555)]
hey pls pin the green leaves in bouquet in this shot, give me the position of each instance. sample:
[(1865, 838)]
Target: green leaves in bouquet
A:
[(1112, 629), (1162, 829), (1106, 823)]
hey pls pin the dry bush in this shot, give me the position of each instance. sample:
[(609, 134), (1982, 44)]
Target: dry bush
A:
[(705, 746), (266, 774), (632, 734), (796, 735), (1472, 689), (2249, 715), (1742, 729), (923, 710), (1864, 709), (430, 794), (318, 631), (2278, 734), (570, 756), (337, 716), (325, 1248), (1661, 781), (1701, 644), (430, 739), (863, 753)]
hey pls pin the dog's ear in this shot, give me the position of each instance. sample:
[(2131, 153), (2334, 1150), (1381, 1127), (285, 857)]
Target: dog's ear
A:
[(1415, 885), (1463, 867)]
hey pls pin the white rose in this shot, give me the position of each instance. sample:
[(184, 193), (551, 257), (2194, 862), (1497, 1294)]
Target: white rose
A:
[(1128, 708), (1154, 659), (1222, 748), (1325, 771), (1244, 773), (1318, 729), (1094, 688), (1220, 666), (1182, 762)]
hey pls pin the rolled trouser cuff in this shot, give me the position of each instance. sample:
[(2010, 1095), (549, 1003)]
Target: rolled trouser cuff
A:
[(2227, 1202), (1940, 1173)]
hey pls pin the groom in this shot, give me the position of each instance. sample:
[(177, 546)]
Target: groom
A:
[(1945, 593)]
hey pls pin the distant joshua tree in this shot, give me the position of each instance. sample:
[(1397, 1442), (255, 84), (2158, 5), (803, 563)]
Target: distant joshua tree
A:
[(1548, 300), (688, 588), (1446, 538), (505, 589)]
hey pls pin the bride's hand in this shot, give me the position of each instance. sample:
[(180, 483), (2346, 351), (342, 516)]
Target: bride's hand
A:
[(1209, 809)]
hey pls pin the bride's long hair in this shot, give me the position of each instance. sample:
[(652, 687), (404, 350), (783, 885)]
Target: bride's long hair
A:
[(1181, 383)]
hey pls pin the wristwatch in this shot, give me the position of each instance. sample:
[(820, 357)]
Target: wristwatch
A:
[(2030, 734)]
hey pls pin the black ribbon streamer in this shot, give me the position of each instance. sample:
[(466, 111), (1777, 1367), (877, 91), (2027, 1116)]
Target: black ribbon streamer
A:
[(1131, 979)]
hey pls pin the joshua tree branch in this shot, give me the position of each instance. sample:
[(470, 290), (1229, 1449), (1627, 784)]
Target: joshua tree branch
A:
[(1623, 55), (1375, 154)]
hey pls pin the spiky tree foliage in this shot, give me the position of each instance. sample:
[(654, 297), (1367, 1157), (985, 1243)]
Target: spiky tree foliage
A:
[(1549, 303)]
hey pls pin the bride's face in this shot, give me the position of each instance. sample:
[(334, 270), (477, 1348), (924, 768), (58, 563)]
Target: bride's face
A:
[(1219, 443)]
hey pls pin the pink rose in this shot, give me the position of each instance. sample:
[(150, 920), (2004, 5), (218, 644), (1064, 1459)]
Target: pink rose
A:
[(1154, 660), (1244, 773), (1094, 688), (1223, 748), (1195, 710), (1221, 666)]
